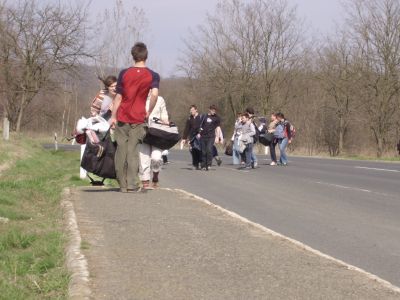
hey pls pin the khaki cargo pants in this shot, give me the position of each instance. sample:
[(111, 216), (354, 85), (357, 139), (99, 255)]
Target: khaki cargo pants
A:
[(128, 138)]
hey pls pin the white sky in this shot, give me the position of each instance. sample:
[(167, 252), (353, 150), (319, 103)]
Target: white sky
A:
[(170, 20)]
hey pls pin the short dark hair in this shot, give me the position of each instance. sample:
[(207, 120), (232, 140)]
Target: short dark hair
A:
[(250, 110), (213, 107), (280, 115), (246, 115), (139, 52), (109, 80), (193, 106)]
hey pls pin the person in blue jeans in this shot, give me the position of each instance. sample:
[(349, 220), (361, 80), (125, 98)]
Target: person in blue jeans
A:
[(247, 138), (236, 158), (284, 137), (254, 161)]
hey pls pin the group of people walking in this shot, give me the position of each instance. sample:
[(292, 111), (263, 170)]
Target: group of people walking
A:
[(203, 131), (247, 133), (131, 100), (128, 102)]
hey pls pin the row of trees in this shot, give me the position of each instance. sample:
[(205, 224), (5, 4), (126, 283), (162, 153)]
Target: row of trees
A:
[(51, 55), (341, 92)]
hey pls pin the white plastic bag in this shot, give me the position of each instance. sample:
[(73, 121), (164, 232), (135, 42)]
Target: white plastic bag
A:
[(97, 124), (82, 125)]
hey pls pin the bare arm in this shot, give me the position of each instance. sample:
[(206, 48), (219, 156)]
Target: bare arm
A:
[(115, 106), (153, 101)]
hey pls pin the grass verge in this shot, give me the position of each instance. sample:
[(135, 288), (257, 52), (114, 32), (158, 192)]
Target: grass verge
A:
[(31, 236)]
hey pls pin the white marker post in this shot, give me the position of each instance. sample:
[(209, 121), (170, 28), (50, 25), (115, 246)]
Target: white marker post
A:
[(6, 129), (82, 173), (55, 141)]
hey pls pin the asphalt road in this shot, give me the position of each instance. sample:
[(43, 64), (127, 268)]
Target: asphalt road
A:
[(347, 209)]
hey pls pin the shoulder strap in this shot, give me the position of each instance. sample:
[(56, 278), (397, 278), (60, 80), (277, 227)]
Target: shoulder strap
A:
[(203, 118)]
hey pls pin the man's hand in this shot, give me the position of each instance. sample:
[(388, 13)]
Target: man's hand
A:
[(112, 122)]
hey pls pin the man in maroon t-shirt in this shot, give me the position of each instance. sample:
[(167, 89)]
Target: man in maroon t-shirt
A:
[(129, 116)]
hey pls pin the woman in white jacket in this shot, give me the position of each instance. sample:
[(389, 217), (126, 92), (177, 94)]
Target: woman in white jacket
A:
[(150, 156)]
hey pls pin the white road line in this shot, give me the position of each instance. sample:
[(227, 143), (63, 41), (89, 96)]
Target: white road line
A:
[(293, 241), (351, 188), (344, 187), (377, 169)]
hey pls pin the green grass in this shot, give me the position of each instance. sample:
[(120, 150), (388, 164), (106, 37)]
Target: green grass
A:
[(360, 157), (32, 243)]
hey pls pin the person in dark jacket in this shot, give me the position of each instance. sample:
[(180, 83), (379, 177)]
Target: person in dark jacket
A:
[(191, 136), (208, 127)]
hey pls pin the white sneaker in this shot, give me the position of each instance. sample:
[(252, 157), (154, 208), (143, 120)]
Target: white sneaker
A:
[(272, 163)]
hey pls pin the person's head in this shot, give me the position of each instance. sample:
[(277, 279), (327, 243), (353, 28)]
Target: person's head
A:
[(110, 84), (212, 110), (273, 116), (193, 110), (239, 116), (280, 116), (245, 117), (250, 111), (139, 52)]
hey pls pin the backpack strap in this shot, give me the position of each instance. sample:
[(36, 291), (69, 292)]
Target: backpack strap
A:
[(95, 182), (203, 118)]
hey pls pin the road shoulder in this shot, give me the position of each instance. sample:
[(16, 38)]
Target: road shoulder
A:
[(168, 244)]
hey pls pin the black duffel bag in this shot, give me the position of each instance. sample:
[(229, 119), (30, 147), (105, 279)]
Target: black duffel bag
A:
[(266, 138), (160, 135), (99, 158)]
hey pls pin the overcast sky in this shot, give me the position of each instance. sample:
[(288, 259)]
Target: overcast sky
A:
[(170, 20)]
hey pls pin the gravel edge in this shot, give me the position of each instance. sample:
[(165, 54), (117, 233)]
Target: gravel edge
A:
[(78, 287)]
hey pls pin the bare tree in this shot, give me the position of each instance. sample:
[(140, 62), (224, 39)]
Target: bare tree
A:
[(245, 54), (118, 28), (37, 42), (337, 76), (278, 51), (375, 28)]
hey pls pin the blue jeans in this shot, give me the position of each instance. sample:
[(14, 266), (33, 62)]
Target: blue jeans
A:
[(248, 153), (253, 155), (235, 152), (282, 149)]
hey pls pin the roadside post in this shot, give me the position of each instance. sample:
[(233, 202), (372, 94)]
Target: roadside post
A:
[(82, 173), (55, 141), (6, 129)]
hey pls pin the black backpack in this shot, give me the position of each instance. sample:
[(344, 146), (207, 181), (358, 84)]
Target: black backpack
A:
[(99, 158), (256, 137)]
